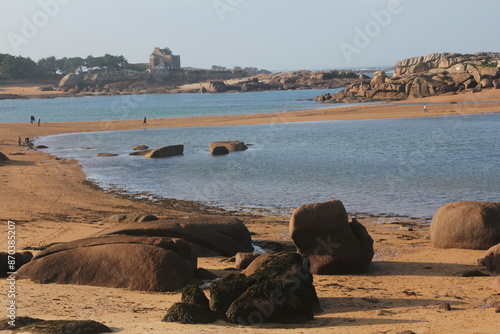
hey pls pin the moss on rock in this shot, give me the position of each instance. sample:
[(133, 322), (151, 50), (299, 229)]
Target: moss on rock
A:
[(225, 291), (185, 313)]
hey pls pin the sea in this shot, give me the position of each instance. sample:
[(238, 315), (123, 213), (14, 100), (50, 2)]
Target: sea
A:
[(393, 167)]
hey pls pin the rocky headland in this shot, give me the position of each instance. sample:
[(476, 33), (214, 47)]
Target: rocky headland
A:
[(417, 77), (142, 82)]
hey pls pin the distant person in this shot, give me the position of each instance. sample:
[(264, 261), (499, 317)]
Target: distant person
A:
[(145, 121), (19, 141), (27, 141), (425, 108), (32, 119), (38, 122)]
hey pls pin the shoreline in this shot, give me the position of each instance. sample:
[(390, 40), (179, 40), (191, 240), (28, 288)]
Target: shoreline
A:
[(10, 131), (52, 201)]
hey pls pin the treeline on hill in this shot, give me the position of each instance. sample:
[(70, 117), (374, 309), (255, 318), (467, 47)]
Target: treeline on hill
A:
[(19, 67)]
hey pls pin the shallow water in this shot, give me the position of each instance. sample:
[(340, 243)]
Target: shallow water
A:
[(122, 107), (406, 166)]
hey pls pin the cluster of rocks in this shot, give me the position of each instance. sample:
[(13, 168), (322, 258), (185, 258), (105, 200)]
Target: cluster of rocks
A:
[(129, 81), (275, 288), (150, 254), (289, 81), (215, 148), (434, 74)]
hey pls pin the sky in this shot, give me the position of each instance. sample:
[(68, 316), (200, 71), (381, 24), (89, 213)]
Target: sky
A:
[(269, 34)]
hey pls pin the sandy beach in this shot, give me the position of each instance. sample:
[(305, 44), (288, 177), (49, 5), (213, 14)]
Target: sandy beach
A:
[(50, 201)]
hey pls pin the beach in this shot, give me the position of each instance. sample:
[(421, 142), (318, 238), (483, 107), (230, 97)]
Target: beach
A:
[(50, 201)]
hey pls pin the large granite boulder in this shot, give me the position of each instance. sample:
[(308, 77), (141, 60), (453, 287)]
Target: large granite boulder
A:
[(165, 152), (13, 262), (209, 235), (468, 225), (334, 246), (129, 218), (70, 81), (131, 262), (231, 146), (225, 291), (492, 259), (217, 87)]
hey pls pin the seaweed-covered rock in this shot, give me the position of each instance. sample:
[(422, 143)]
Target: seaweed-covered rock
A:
[(225, 291), (39, 326), (18, 323), (194, 309), (286, 266), (186, 313), (280, 301), (192, 294)]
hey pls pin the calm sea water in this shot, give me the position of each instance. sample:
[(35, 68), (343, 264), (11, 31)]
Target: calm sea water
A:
[(121, 107), (393, 166)]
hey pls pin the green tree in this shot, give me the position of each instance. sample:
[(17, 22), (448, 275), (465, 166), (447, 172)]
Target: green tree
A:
[(49, 65), (106, 62), (18, 67), (72, 65)]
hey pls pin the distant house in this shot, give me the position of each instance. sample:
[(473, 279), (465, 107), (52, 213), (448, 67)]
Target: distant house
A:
[(164, 59)]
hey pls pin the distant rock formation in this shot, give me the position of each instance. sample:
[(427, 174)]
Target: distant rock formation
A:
[(70, 81), (165, 152), (225, 147), (417, 77)]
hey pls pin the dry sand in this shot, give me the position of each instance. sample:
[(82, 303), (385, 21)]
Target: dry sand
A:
[(50, 202)]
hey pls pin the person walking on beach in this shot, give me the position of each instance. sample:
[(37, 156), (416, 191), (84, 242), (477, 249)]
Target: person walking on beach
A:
[(32, 119), (38, 122), (27, 141), (425, 108), (18, 140), (145, 121)]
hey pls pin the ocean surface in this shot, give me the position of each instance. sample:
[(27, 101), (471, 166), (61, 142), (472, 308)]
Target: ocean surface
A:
[(406, 167), (122, 107)]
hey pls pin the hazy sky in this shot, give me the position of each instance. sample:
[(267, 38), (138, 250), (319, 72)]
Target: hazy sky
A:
[(270, 34)]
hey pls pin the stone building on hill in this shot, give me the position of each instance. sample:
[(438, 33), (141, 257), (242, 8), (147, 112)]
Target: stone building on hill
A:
[(164, 59)]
